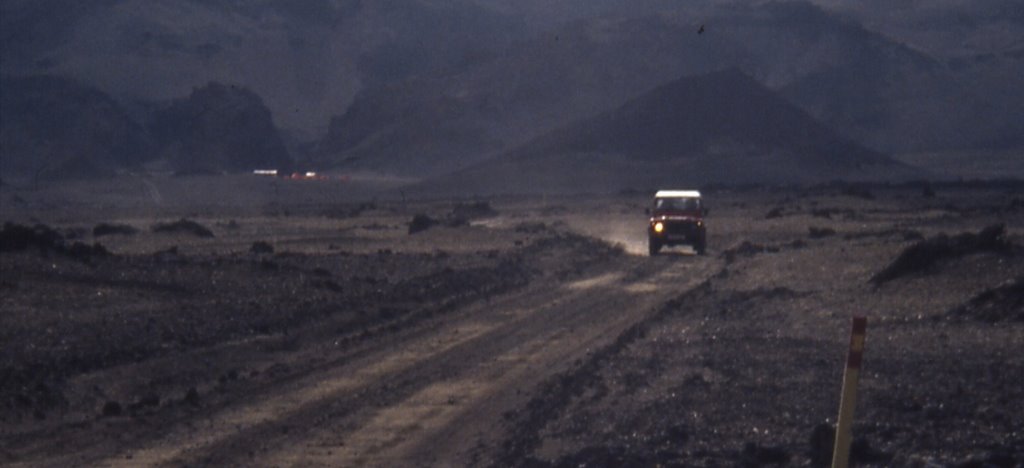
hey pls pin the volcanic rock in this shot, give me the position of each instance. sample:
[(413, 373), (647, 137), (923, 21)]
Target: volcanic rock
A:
[(184, 225), (260, 247), (757, 455), (192, 397), (927, 253), (220, 128), (105, 229), (421, 222), (112, 408), (1004, 302)]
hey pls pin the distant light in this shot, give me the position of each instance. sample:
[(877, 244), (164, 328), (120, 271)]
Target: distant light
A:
[(310, 174), (266, 172)]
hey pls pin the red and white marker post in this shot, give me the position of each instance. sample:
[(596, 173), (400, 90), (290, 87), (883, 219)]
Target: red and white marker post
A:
[(848, 400)]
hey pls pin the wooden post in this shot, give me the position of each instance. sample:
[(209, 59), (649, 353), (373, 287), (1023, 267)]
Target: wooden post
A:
[(848, 400)]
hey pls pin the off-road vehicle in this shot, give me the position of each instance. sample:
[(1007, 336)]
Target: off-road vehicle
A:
[(677, 218)]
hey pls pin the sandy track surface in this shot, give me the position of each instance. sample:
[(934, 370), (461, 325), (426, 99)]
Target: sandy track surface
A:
[(438, 398), (434, 394)]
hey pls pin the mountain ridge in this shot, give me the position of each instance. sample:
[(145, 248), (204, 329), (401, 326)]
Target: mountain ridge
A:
[(867, 87), (721, 127)]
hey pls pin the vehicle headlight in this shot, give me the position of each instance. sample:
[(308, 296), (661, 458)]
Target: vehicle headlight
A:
[(658, 227)]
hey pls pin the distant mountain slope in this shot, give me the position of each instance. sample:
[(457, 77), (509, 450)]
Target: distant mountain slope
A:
[(942, 28), (724, 111), (56, 128), (861, 84), (432, 126), (418, 87), (219, 128), (722, 127), (877, 91), (306, 58)]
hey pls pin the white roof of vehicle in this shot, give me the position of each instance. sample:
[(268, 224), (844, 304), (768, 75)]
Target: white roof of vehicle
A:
[(677, 194)]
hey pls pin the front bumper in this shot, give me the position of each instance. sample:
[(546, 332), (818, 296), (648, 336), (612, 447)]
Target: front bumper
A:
[(676, 232)]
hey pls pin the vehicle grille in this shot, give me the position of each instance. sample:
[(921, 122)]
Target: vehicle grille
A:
[(683, 228)]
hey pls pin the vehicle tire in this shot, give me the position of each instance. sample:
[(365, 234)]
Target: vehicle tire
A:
[(653, 247), (701, 248)]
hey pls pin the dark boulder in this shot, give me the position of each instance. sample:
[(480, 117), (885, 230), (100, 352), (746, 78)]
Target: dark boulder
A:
[(421, 222), (818, 233), (105, 229), (112, 408), (261, 247), (192, 397), (759, 455), (821, 442), (16, 237), (183, 225)]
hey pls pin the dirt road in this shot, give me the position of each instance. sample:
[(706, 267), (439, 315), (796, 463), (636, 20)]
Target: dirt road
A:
[(438, 397), (432, 394), (536, 336)]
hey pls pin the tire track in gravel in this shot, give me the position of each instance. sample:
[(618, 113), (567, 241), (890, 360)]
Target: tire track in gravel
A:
[(433, 393), (439, 392), (262, 365), (557, 391)]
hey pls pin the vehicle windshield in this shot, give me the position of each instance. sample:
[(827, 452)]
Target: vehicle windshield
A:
[(678, 204)]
